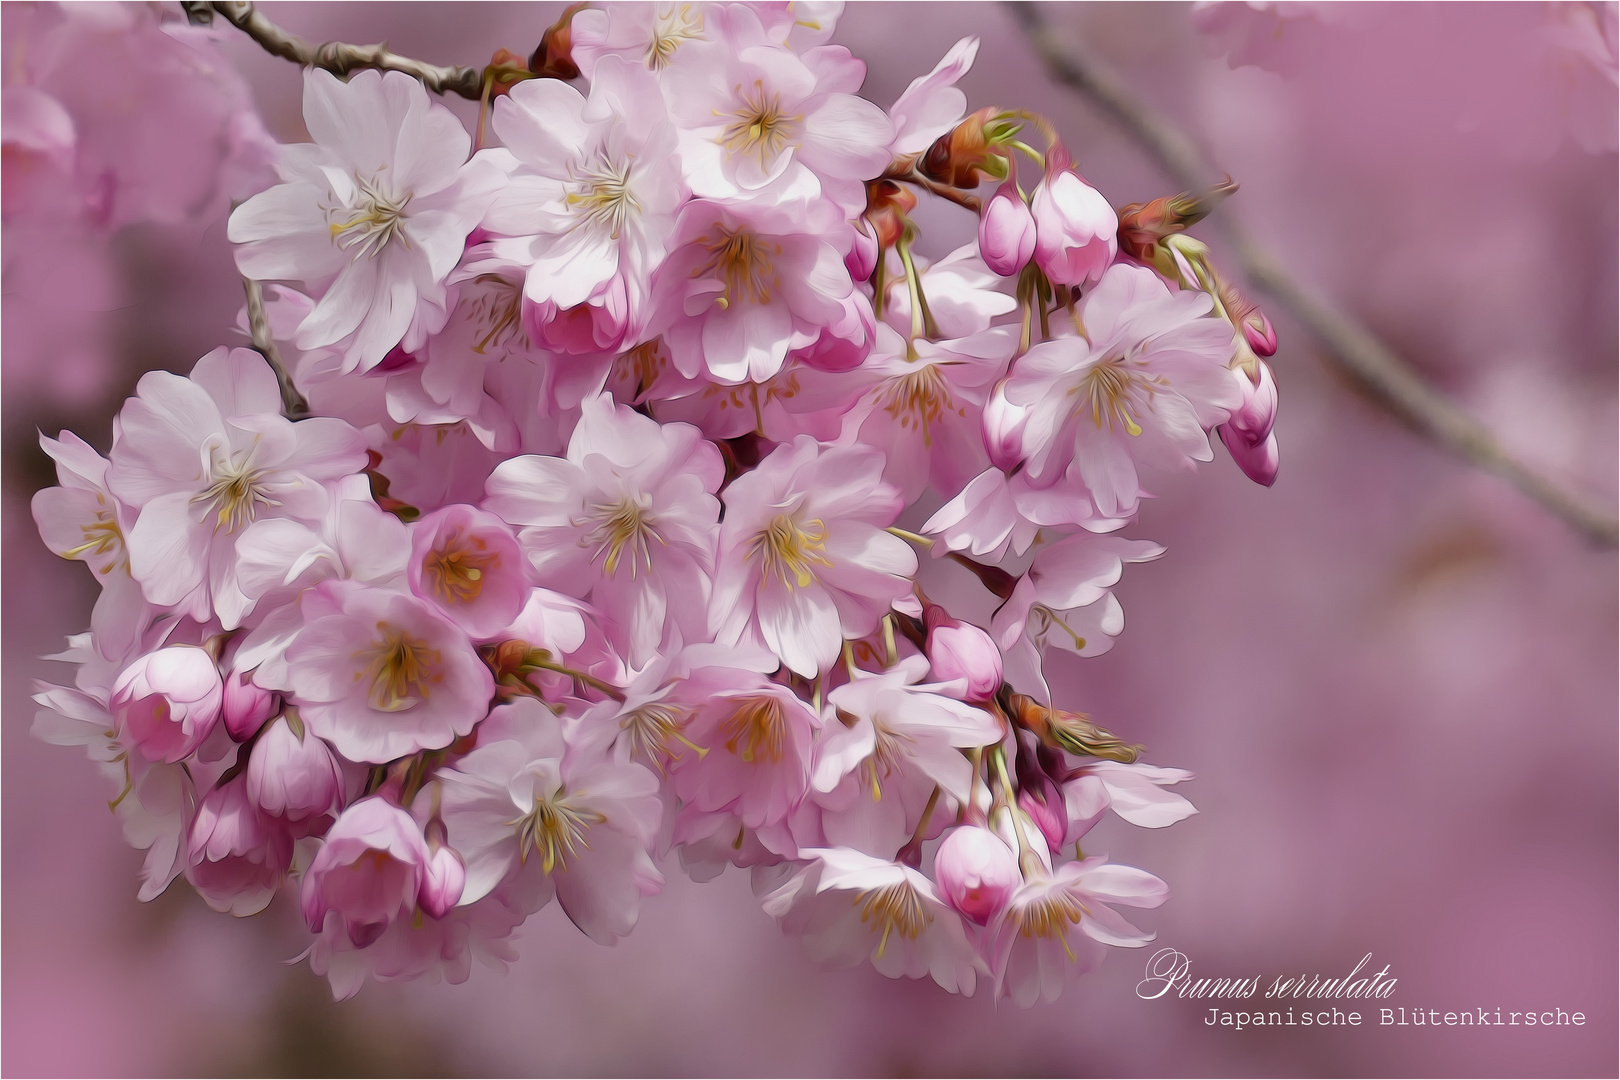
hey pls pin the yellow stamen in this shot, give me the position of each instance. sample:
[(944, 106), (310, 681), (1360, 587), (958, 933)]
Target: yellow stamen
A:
[(899, 907), (1118, 390), (556, 828), (400, 669), (742, 263), (791, 551), (456, 568), (759, 126), (757, 730)]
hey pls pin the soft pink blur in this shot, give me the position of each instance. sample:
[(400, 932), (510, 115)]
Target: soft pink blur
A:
[(1394, 676)]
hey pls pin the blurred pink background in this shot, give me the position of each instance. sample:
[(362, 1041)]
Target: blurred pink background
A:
[(1394, 676)]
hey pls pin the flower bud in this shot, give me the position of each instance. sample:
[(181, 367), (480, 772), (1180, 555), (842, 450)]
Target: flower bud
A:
[(863, 253), (959, 650), (1248, 435), (1006, 231), (246, 705), (236, 856), (1075, 228), (1003, 424), (1045, 806), (168, 701), (887, 204), (976, 872), (293, 775), (553, 56), (968, 151), (1073, 732), (443, 878)]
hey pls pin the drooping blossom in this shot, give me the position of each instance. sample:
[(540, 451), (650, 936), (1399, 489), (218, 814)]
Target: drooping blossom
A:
[(168, 702), (530, 802), (1075, 227), (292, 774), (370, 871), (977, 873), (236, 854)]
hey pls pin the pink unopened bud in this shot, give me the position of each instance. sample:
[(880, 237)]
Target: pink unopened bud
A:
[(1076, 231), (1004, 429), (1006, 231), (961, 651), (976, 872), (1046, 808), (168, 702), (236, 856), (863, 254), (1248, 435), (442, 881), (246, 706), (292, 777), (1259, 334)]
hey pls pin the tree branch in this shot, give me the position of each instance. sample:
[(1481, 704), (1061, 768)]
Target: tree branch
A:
[(335, 56), (292, 402), (1351, 348)]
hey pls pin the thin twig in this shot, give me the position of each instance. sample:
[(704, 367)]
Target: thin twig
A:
[(292, 402), (1353, 349), (335, 56), (905, 172)]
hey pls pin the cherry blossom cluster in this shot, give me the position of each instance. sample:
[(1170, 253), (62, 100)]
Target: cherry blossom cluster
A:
[(596, 496)]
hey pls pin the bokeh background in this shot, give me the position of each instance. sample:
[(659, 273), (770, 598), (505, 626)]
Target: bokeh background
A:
[(1394, 676)]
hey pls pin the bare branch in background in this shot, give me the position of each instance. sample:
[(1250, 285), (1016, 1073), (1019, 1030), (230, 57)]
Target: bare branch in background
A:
[(292, 402), (1353, 349), (334, 56)]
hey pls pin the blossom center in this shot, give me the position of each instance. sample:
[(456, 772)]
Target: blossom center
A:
[(1051, 916), (886, 757), (674, 26), (400, 670), (652, 728), (919, 398), (101, 537), (376, 218), (898, 907), (622, 525), (498, 311), (742, 261), (605, 199), (1118, 392), (759, 126), (1045, 619), (456, 568), (757, 730), (791, 551), (235, 493), (555, 828)]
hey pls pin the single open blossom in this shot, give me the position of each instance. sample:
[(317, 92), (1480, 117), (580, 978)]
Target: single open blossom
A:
[(753, 113), (168, 702), (379, 675), (1134, 791), (753, 740), (591, 201), (1050, 930), (466, 562), (628, 519), (852, 907), (254, 463), (977, 873), (372, 215), (236, 854), (747, 283), (1064, 601), (82, 519), (804, 559), (370, 871), (527, 801), (1138, 392)]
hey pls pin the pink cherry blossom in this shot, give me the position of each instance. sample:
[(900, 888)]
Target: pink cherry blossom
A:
[(293, 775), (534, 803), (1134, 791), (1049, 932), (1007, 230), (959, 652), (168, 702), (372, 215), (1248, 435), (1075, 228), (467, 563), (236, 855), (245, 706), (591, 202), (753, 740), (82, 519), (1139, 392), (977, 873), (804, 560), (254, 463), (370, 871), (931, 105), (851, 907), (379, 675)]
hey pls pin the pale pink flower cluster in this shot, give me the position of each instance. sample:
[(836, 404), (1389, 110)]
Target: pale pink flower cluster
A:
[(589, 559)]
